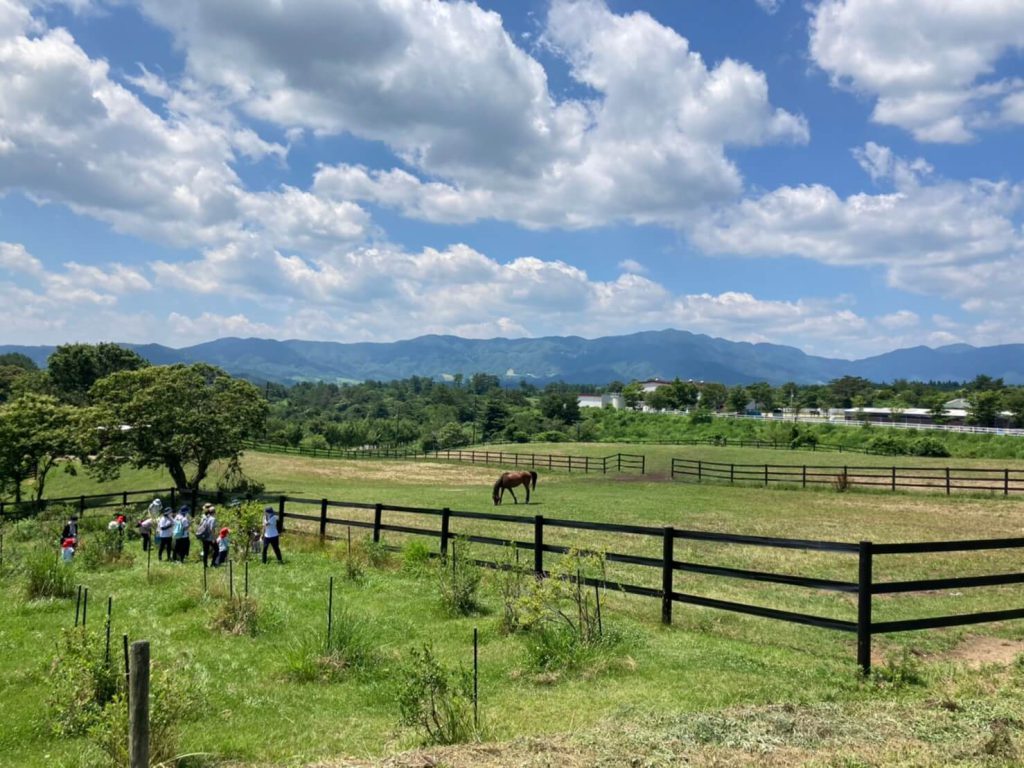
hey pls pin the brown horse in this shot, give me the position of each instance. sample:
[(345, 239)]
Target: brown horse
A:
[(509, 480)]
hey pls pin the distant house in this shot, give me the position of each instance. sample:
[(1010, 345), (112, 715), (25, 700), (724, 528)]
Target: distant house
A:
[(652, 384), (957, 404), (954, 417), (607, 400)]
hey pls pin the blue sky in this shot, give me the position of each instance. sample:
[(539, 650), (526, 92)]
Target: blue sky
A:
[(822, 174)]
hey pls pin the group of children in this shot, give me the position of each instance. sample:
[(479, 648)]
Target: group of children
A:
[(173, 534)]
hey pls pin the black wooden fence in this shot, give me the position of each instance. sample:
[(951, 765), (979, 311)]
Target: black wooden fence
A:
[(892, 478), (779, 445), (618, 462), (442, 522)]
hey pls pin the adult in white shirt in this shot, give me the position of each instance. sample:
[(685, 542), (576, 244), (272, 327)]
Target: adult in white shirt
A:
[(271, 536)]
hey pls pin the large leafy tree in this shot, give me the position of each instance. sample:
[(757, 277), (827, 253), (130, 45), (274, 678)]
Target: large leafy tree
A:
[(181, 417), (36, 433), (74, 368), (984, 407), (563, 406)]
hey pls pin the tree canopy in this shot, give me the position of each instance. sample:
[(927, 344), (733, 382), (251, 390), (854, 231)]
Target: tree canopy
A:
[(182, 417), (74, 368)]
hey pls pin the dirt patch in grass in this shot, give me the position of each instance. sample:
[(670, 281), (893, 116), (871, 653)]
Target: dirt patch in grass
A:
[(413, 473), (978, 651)]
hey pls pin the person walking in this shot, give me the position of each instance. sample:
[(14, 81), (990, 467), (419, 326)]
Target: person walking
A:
[(164, 532), (182, 523), (70, 531), (223, 545), (145, 526), (271, 536), (205, 533)]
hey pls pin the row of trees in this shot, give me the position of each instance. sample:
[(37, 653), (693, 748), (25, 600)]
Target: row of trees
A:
[(101, 410), (987, 398)]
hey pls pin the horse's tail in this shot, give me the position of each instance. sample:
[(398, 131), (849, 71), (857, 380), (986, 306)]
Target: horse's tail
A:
[(497, 486), (533, 476)]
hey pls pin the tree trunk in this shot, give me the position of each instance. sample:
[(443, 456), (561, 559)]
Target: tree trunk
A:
[(201, 469), (177, 473)]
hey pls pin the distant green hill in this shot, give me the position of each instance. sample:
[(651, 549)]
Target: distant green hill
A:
[(664, 354)]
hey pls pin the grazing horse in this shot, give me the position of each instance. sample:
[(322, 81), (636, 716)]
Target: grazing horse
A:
[(509, 480)]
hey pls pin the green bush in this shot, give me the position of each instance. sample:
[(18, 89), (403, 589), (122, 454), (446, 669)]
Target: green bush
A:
[(46, 575), (416, 557), (458, 579), (350, 647), (888, 444), (239, 616), (928, 446), (81, 682), (104, 549), (512, 581), (376, 552), (242, 519), (435, 700), (562, 615), (174, 696)]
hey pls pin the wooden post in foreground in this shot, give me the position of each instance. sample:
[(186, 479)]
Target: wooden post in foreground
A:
[(138, 711)]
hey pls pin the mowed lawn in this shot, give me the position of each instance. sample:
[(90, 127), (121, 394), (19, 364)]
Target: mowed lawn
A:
[(707, 662)]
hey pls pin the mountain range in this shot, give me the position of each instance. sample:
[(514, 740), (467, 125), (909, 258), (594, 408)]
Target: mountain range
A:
[(650, 354)]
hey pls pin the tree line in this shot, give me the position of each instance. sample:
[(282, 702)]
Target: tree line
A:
[(108, 407)]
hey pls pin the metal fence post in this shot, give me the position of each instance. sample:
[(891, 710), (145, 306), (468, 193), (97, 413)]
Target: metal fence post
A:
[(538, 545), (138, 712), (864, 590), (377, 510), (667, 571)]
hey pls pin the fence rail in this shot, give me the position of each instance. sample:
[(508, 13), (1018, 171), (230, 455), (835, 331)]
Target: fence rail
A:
[(892, 478), (437, 524), (779, 445), (618, 462)]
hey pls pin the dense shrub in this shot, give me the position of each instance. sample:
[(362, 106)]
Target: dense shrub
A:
[(458, 579), (888, 444), (239, 616), (175, 695), (562, 615), (435, 700), (104, 549), (81, 682), (928, 446)]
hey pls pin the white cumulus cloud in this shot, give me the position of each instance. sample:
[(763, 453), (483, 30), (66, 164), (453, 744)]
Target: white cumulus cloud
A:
[(930, 64)]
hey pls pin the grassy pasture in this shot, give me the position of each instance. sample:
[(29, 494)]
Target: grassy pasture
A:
[(704, 684)]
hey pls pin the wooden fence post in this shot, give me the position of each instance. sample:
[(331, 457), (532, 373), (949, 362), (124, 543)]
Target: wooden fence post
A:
[(1006, 483), (445, 521), (947, 481), (700, 471), (864, 589), (803, 478), (377, 510), (195, 499), (323, 519), (765, 475), (280, 515), (538, 545), (667, 571), (173, 497), (81, 505), (138, 712), (894, 478), (124, 499)]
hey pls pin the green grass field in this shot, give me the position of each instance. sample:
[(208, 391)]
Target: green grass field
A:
[(715, 688)]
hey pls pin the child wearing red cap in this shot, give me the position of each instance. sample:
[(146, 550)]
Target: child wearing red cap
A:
[(222, 547)]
